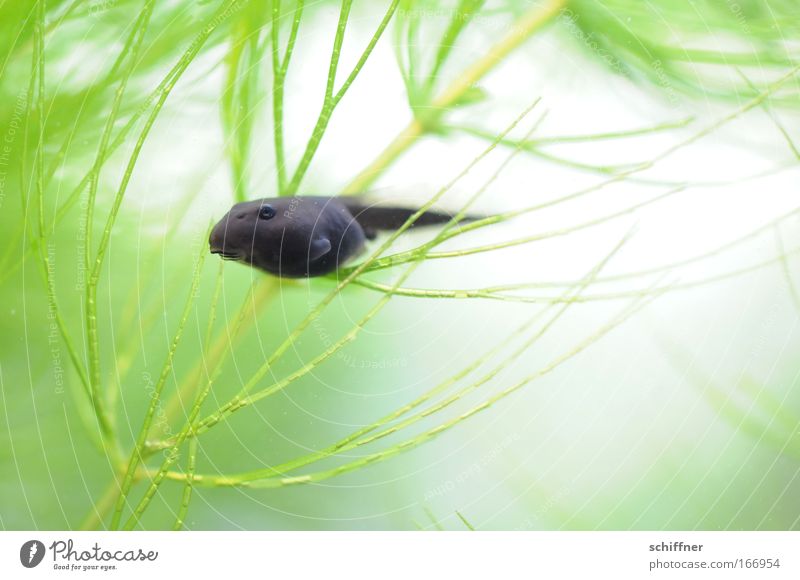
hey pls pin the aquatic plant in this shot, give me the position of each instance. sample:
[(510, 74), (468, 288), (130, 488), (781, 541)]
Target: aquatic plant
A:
[(91, 82)]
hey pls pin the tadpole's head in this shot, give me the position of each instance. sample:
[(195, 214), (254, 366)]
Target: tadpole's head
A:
[(278, 235), (248, 226)]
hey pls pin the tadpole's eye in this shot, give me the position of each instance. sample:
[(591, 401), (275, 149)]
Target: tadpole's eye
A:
[(266, 212)]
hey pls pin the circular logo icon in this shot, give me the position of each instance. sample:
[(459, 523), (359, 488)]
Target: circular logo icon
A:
[(31, 553)]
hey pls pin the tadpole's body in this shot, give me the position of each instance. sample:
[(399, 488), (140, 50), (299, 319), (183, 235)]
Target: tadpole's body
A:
[(303, 236)]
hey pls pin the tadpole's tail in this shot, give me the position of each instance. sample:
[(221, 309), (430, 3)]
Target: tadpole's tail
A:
[(376, 217)]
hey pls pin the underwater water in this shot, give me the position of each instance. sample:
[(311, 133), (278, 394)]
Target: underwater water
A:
[(622, 355)]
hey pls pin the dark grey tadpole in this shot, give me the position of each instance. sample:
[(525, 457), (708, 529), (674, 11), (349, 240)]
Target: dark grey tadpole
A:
[(303, 236)]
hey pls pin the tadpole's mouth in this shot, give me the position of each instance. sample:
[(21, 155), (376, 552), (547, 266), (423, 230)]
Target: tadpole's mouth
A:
[(225, 255), (218, 244)]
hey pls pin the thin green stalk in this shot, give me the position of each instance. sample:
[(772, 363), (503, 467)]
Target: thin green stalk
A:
[(105, 505), (95, 516), (39, 156), (277, 99), (224, 343), (531, 147), (327, 102), (38, 72), (433, 519), (25, 188), (146, 314), (189, 430), (520, 31), (331, 100), (462, 15), (187, 490), (166, 84), (411, 255), (132, 46), (554, 233), (774, 118), (494, 293), (672, 265), (280, 67), (240, 94), (765, 419), (155, 397), (194, 429), (468, 525), (277, 387), (407, 39), (430, 434), (192, 459), (624, 134)]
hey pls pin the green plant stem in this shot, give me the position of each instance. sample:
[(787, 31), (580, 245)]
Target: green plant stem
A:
[(495, 293), (624, 134), (192, 459), (331, 100), (166, 84), (155, 397), (99, 510), (466, 523), (187, 490), (412, 255), (47, 267), (189, 430), (224, 343), (534, 149), (39, 156), (38, 72), (240, 96), (772, 224), (146, 314), (462, 15), (520, 31), (280, 67), (132, 44)]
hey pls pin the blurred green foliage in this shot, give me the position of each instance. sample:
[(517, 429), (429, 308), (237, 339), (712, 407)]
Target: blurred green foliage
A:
[(110, 66)]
